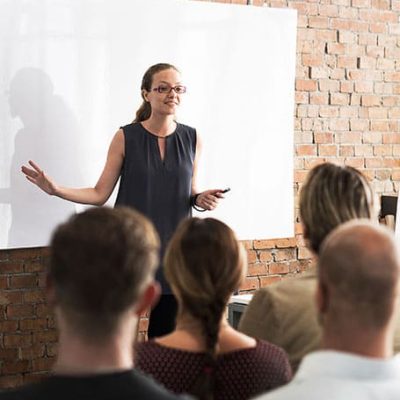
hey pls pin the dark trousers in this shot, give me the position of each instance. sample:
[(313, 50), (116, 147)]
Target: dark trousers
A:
[(162, 316)]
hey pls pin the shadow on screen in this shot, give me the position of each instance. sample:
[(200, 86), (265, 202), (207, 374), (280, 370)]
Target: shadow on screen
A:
[(47, 137)]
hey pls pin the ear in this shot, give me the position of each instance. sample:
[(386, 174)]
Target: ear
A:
[(50, 291), (144, 95), (149, 297), (322, 298)]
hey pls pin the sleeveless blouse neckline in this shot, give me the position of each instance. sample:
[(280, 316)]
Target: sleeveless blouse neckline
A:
[(158, 136)]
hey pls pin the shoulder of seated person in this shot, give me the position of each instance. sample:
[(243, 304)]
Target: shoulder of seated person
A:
[(290, 290), (236, 341), (307, 278)]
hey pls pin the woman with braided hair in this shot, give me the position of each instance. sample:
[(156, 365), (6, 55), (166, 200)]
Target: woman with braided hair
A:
[(204, 356)]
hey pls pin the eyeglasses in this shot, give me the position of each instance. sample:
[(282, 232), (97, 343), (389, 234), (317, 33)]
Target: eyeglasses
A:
[(164, 89)]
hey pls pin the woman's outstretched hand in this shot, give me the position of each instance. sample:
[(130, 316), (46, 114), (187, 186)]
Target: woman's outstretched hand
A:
[(209, 199), (39, 178)]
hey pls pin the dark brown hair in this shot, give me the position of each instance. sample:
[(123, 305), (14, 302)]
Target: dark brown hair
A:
[(332, 195), (144, 111), (100, 261), (204, 263)]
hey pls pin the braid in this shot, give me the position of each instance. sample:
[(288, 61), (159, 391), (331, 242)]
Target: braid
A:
[(209, 315)]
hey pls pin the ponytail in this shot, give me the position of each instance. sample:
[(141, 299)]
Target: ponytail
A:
[(143, 112)]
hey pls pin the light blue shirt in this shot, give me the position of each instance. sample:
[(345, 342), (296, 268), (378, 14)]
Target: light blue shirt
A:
[(332, 375)]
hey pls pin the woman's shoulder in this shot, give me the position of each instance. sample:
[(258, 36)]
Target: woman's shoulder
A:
[(263, 353), (269, 349), (132, 133), (273, 358), (131, 127), (265, 359), (186, 129), (187, 134)]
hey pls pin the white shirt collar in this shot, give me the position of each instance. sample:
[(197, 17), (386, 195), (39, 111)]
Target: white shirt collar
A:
[(335, 364)]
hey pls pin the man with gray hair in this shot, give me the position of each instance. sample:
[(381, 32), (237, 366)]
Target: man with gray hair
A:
[(357, 296)]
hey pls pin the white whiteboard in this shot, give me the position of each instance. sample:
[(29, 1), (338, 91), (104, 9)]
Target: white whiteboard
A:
[(70, 76)]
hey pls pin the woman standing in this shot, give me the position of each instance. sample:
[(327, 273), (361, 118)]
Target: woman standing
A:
[(156, 158)]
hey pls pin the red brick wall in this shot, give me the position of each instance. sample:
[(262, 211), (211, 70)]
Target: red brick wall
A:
[(28, 338), (347, 110)]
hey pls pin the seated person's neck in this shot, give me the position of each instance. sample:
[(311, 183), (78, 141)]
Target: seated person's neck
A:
[(375, 344), (78, 355)]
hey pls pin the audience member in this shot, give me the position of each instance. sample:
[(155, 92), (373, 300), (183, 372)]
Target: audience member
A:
[(100, 279), (357, 295), (284, 313), (204, 356)]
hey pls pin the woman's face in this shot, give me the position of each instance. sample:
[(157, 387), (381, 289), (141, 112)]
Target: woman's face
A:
[(166, 92)]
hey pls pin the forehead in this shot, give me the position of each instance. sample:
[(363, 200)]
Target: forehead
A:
[(168, 75)]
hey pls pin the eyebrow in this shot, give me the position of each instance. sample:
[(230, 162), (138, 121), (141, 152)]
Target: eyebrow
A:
[(178, 83)]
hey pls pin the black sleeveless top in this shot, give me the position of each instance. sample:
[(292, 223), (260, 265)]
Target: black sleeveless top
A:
[(160, 189)]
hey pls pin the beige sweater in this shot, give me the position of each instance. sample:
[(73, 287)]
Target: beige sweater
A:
[(285, 314)]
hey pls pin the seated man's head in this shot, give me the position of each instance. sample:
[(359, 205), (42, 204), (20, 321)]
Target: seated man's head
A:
[(331, 196), (101, 269), (359, 270)]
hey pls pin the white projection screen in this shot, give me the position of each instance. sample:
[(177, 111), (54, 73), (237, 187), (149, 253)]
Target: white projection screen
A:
[(70, 76)]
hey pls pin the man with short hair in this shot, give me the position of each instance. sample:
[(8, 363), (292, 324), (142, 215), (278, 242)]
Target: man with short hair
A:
[(100, 279), (357, 296)]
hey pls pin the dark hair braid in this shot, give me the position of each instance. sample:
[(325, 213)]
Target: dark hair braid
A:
[(209, 316)]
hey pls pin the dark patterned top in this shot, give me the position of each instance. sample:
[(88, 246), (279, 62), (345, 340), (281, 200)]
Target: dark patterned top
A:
[(239, 374), (158, 188)]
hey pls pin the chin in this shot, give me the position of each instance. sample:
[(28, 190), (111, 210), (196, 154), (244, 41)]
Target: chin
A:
[(170, 111)]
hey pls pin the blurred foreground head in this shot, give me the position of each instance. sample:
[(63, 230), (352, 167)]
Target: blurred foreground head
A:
[(101, 262), (359, 270), (331, 196)]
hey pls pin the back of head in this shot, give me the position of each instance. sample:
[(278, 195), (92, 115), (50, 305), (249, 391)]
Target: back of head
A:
[(359, 266), (204, 264), (101, 260), (331, 196)]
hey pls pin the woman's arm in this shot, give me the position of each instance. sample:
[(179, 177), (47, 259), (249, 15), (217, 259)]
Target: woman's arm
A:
[(96, 195), (196, 163), (208, 199)]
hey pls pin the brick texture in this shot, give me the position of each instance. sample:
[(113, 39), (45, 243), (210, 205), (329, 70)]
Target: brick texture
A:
[(346, 110)]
